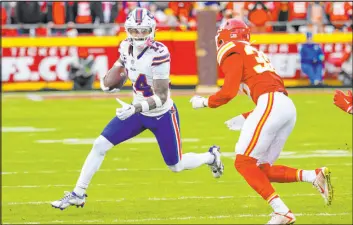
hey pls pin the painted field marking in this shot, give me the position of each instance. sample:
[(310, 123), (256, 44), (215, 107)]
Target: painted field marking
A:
[(25, 129), (304, 154), (90, 141), (179, 218), (181, 198), (70, 171)]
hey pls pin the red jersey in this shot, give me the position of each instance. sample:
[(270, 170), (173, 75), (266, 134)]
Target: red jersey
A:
[(248, 68)]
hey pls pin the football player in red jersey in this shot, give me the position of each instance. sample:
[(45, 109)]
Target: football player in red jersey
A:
[(344, 102), (264, 130)]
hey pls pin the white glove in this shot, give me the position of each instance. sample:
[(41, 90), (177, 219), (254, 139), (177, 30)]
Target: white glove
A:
[(199, 102), (236, 123), (106, 89), (125, 111)]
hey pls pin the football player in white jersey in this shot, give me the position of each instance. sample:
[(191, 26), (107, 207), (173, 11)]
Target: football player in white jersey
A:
[(148, 65)]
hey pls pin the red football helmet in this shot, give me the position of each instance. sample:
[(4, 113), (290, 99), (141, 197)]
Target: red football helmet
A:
[(232, 30)]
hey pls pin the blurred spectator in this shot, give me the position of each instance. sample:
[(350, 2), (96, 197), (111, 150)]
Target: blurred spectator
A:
[(81, 70), (338, 13), (261, 16), (44, 11), (59, 13), (183, 11), (171, 20), (258, 15), (281, 14), (110, 13), (298, 13), (28, 13), (7, 16), (237, 10), (316, 16), (346, 74), (311, 57), (87, 13), (158, 14), (162, 5), (124, 8)]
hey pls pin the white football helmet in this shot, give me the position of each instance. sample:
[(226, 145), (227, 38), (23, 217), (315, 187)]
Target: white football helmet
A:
[(140, 27)]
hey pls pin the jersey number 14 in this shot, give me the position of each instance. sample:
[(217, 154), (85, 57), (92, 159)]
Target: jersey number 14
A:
[(264, 63)]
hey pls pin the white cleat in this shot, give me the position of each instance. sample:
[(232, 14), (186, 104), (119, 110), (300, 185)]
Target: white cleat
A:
[(217, 166), (278, 218), (69, 199), (323, 184)]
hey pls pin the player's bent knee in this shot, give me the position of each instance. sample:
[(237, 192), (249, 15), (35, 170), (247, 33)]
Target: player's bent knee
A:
[(242, 162), (101, 145), (177, 167)]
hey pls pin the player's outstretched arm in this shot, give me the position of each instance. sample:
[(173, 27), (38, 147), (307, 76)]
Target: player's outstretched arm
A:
[(344, 102), (232, 67), (161, 87)]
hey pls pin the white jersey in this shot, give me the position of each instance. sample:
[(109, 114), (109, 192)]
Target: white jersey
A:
[(152, 63)]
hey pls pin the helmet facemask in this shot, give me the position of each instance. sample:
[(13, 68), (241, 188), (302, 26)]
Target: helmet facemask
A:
[(140, 36)]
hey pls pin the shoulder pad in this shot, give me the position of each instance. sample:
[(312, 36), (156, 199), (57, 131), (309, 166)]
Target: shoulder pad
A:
[(159, 48), (124, 47), (227, 48)]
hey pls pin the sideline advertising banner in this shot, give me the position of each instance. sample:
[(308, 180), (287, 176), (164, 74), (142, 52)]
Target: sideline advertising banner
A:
[(37, 63)]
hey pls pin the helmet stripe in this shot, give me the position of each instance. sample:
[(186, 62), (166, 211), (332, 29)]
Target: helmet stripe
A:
[(138, 16)]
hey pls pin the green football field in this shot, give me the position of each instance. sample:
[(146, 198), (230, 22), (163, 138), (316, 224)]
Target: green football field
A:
[(46, 138)]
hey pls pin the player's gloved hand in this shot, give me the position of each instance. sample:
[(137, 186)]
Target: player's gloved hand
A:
[(106, 89), (125, 111), (343, 101), (236, 123), (199, 102)]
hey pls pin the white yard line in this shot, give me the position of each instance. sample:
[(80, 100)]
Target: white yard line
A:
[(90, 141), (179, 218), (70, 171), (135, 169), (103, 185), (29, 186), (181, 198)]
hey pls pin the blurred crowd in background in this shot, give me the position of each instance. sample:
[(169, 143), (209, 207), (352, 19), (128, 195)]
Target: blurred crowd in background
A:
[(106, 18)]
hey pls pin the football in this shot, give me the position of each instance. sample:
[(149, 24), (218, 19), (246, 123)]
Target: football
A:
[(115, 78)]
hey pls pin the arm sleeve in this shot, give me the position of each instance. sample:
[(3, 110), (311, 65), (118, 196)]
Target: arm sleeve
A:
[(232, 67)]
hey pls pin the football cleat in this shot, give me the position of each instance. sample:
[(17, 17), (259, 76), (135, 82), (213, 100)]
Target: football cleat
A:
[(70, 198), (217, 166), (279, 218), (323, 184)]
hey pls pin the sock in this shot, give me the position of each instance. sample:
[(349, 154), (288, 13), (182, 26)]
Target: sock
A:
[(254, 176), (92, 164), (277, 204), (192, 160), (307, 175), (279, 173)]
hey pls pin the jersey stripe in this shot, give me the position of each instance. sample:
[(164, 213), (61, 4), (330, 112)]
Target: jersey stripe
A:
[(259, 126), (158, 58), (160, 62), (223, 50)]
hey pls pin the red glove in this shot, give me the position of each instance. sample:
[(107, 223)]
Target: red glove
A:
[(344, 101)]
